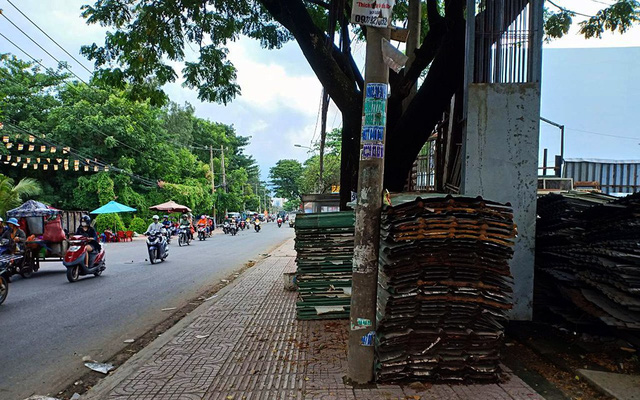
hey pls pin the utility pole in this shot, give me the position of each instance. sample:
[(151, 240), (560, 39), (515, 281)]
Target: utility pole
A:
[(259, 200), (213, 182), (368, 207), (224, 174), (323, 136)]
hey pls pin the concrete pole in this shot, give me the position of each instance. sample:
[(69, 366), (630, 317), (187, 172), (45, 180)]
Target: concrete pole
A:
[(224, 174), (367, 227), (213, 183)]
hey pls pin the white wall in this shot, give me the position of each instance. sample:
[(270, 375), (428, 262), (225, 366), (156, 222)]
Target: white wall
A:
[(500, 164)]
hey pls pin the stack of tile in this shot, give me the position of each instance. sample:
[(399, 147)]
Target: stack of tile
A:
[(589, 271), (324, 246), (444, 289)]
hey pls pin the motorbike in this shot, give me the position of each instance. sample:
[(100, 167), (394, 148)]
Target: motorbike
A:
[(184, 239), (225, 228), (242, 225), (157, 246), (167, 234), (5, 278), (202, 232), (279, 223), (74, 259), (256, 226), (233, 229)]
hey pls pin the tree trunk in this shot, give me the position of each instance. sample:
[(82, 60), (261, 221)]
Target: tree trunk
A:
[(409, 134), (351, 121)]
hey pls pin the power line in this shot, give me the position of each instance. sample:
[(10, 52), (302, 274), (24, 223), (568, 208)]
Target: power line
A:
[(569, 11), (604, 134), (89, 86), (45, 33), (43, 49)]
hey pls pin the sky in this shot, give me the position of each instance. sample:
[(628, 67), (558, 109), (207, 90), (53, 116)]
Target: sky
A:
[(588, 85)]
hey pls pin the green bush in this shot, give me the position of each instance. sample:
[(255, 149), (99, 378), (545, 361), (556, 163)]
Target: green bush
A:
[(109, 221), (138, 225)]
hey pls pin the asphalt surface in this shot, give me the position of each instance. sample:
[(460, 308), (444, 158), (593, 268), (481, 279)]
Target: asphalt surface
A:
[(48, 324)]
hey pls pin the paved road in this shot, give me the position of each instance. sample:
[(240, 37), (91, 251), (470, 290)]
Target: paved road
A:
[(48, 324)]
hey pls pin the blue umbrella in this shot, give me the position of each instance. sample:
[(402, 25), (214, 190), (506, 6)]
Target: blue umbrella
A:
[(112, 207)]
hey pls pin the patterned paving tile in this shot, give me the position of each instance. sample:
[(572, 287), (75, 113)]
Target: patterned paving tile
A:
[(248, 345)]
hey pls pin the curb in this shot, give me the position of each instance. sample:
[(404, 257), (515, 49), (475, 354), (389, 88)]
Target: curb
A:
[(112, 380)]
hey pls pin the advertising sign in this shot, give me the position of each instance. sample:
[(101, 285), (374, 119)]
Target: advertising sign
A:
[(372, 12)]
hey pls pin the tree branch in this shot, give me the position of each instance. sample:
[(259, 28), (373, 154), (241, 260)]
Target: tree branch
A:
[(329, 69)]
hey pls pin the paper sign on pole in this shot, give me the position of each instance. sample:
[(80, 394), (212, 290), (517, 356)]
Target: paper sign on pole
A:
[(372, 12)]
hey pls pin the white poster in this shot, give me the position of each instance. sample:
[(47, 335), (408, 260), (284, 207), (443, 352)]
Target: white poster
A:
[(372, 12)]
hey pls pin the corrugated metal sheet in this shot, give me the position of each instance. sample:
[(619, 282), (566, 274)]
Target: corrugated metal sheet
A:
[(614, 176), (324, 246)]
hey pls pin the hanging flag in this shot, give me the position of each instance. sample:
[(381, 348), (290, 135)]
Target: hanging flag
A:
[(59, 160), (24, 166), (55, 167), (9, 158), (32, 139), (9, 145), (45, 166), (86, 168), (53, 149), (66, 167), (43, 149), (15, 164), (20, 146), (18, 159), (96, 168), (106, 168), (65, 150), (5, 139), (35, 166), (31, 147), (28, 160), (38, 159)]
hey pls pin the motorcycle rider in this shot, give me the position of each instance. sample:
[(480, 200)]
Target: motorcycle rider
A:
[(202, 222), (85, 229), (15, 235), (155, 225), (186, 225)]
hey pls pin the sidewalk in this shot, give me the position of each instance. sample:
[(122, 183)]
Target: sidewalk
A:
[(248, 345)]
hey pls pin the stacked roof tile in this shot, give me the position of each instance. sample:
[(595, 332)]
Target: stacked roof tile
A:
[(444, 289), (324, 246), (588, 259)]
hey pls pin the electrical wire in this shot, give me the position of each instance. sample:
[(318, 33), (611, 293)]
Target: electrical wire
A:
[(604, 134), (43, 49), (50, 38), (52, 71), (569, 11)]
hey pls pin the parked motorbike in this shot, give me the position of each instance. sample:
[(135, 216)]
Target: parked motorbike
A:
[(157, 246), (5, 278), (202, 232), (74, 259), (256, 225), (184, 239)]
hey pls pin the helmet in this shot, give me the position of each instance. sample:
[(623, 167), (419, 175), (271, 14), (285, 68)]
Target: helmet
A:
[(1, 220), (202, 217), (13, 221), (165, 216), (86, 218), (156, 217)]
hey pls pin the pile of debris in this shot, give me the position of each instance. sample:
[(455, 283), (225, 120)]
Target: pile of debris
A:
[(324, 246), (588, 259), (444, 289)]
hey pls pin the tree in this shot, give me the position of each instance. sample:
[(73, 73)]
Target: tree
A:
[(285, 178), (12, 196), (149, 36)]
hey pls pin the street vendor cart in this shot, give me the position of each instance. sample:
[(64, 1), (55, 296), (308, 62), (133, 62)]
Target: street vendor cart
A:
[(46, 240)]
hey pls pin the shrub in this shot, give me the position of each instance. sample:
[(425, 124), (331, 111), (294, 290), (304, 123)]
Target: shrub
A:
[(138, 225), (109, 221)]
